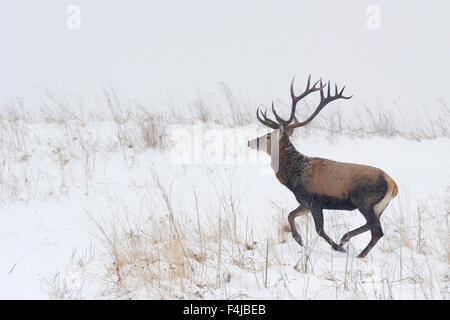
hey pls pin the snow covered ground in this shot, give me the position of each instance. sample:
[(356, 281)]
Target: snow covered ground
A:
[(88, 211)]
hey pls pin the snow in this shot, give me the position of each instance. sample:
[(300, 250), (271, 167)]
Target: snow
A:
[(59, 180)]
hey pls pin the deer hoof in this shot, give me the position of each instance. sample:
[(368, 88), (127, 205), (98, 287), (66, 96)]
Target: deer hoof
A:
[(341, 247), (298, 238)]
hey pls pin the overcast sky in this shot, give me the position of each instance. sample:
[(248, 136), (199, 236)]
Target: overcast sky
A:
[(151, 50)]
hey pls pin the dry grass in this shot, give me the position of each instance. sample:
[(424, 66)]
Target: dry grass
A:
[(147, 124), (169, 256), (219, 251)]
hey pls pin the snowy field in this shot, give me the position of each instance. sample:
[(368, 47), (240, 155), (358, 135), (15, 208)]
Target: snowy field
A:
[(101, 209)]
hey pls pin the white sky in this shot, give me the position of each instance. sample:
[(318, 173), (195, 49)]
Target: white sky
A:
[(151, 50)]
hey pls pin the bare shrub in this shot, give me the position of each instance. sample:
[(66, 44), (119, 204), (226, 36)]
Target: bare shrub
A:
[(153, 131)]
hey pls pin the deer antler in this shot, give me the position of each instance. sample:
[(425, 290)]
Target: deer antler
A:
[(296, 99), (317, 86), (323, 102), (266, 121)]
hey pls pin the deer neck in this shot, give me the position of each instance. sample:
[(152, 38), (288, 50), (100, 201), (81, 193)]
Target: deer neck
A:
[(289, 160)]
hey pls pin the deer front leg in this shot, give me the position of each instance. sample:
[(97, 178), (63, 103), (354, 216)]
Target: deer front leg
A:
[(318, 221), (300, 211)]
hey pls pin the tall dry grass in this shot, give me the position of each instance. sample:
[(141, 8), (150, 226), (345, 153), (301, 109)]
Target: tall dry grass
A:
[(165, 253), (148, 124), (218, 252), (168, 255)]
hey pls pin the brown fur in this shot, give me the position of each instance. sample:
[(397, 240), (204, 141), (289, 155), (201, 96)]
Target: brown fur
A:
[(336, 179)]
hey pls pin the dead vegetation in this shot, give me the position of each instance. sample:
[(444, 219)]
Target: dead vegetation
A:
[(218, 251)]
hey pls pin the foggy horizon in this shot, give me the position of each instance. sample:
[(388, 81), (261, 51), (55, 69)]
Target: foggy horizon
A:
[(154, 52)]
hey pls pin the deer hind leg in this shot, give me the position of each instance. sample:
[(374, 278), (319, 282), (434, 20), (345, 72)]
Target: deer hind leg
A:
[(373, 215), (346, 237), (377, 233), (373, 224), (300, 211), (318, 221), (377, 210)]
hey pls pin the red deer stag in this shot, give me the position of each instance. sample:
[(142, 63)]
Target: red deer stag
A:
[(320, 184)]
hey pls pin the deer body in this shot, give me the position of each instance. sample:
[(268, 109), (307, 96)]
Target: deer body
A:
[(320, 184), (328, 184)]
